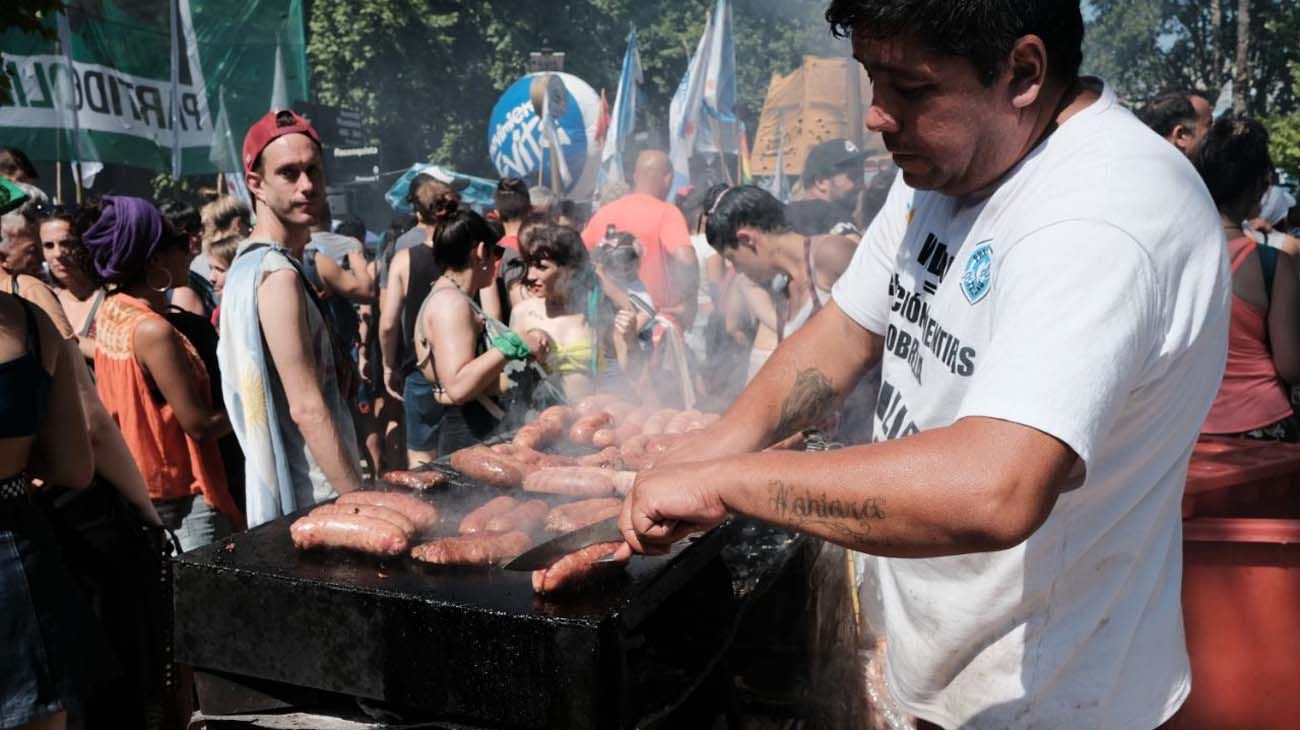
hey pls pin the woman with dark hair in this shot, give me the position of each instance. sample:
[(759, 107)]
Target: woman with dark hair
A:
[(69, 263), (568, 305), (1264, 339), (150, 377), (459, 350), (43, 624)]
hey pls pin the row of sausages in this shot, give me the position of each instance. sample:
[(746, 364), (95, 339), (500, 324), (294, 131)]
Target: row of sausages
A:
[(385, 524)]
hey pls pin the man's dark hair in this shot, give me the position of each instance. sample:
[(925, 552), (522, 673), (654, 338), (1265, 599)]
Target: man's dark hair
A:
[(182, 216), (511, 199), (1169, 110), (15, 165), (746, 205), (983, 31), (1234, 162)]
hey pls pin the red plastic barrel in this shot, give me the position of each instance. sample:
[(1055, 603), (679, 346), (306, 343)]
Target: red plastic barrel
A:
[(1241, 605)]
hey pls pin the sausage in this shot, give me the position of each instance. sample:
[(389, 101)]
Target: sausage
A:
[(585, 428), (369, 510), (577, 515), (606, 437), (351, 532), (488, 548), (633, 449), (418, 480), (421, 514), (593, 404), (523, 517), (484, 465), (560, 415), (619, 410), (574, 481), (656, 424), (503, 449), (477, 520), (607, 458), (549, 427), (574, 569), (637, 418), (681, 422), (623, 481)]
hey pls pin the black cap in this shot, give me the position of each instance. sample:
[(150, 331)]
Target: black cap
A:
[(825, 157)]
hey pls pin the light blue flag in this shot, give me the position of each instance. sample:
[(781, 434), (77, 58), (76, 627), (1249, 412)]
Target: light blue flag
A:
[(623, 118)]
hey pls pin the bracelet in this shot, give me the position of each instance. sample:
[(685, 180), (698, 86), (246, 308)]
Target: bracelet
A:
[(512, 346)]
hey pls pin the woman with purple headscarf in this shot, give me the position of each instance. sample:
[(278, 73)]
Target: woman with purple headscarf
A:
[(149, 376)]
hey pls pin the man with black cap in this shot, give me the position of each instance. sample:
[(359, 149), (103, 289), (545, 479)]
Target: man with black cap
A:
[(832, 177), (285, 393)]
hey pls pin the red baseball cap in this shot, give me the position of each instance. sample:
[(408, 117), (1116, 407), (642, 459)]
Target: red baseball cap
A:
[(271, 127)]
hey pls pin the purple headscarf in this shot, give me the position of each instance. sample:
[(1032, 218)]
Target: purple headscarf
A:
[(125, 236)]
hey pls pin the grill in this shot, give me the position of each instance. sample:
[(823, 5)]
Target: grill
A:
[(266, 626)]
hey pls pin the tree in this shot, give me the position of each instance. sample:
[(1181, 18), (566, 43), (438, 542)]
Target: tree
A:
[(426, 73), (1147, 46), (27, 16), (1241, 73)]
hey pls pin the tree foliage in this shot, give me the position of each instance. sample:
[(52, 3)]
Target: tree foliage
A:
[(1147, 46), (426, 73), (27, 16)]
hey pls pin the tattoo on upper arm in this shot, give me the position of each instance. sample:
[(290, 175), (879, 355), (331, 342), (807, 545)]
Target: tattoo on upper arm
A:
[(810, 400), (851, 521)]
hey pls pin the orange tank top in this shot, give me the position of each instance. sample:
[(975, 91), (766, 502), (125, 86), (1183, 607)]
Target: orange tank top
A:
[(1252, 395), (174, 465)]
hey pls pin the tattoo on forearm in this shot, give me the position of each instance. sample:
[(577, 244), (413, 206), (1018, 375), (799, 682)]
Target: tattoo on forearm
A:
[(810, 400), (805, 510)]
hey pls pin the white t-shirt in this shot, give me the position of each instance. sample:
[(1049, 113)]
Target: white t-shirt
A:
[(1086, 297)]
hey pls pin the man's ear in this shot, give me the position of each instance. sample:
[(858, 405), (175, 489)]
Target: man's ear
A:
[(1028, 68), (254, 181), (1180, 136)]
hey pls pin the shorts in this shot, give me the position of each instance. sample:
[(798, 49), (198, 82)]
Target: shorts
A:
[(45, 628), (194, 521), (423, 414)]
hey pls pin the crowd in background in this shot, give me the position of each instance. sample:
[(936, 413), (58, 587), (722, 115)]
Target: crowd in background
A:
[(131, 349)]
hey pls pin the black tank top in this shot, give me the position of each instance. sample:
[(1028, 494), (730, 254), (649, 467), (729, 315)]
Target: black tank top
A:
[(419, 282)]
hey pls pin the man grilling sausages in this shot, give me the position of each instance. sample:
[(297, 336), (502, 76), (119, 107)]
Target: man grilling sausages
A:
[(1048, 290)]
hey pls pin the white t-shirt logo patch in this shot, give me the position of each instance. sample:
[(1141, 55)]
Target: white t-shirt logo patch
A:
[(978, 274)]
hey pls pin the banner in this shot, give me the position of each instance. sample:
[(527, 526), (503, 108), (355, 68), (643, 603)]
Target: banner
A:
[(516, 136), (126, 98)]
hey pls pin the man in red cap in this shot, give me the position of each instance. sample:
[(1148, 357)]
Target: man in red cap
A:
[(284, 378)]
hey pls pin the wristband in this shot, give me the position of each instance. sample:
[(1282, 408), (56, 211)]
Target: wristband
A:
[(512, 346)]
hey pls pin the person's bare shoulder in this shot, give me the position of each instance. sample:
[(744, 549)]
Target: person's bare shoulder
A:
[(832, 254)]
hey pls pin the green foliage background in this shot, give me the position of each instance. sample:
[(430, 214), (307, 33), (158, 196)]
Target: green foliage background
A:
[(1147, 46), (426, 73)]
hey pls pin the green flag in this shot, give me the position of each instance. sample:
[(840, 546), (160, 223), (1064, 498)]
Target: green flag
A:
[(121, 86)]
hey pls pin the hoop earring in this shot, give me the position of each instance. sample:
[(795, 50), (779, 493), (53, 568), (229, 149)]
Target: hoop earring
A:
[(162, 289)]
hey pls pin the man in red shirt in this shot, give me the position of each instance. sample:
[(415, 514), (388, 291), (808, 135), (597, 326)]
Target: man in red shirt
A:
[(668, 266)]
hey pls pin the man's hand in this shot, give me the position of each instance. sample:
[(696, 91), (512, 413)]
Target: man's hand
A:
[(667, 504)]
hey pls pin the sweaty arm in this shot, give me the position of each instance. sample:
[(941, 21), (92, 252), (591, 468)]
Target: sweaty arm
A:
[(35, 291), (453, 334), (390, 321), (1284, 319), (161, 352), (354, 284), (62, 453), (979, 485), (281, 308)]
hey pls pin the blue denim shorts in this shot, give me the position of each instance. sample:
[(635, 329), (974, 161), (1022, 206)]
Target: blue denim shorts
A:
[(423, 413), (44, 626)]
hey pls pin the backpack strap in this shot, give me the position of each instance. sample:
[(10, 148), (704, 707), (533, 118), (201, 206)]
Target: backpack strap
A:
[(1268, 262)]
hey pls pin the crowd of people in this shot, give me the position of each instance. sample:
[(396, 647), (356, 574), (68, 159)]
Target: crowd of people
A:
[(220, 367)]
